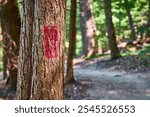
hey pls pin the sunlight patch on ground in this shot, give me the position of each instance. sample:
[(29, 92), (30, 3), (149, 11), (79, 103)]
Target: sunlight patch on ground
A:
[(147, 92)]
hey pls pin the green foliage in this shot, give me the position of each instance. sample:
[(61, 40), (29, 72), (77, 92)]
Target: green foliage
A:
[(129, 53), (20, 8), (139, 11), (145, 53), (78, 33), (96, 56)]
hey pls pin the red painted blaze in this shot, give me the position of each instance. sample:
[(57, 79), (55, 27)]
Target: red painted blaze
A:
[(51, 41)]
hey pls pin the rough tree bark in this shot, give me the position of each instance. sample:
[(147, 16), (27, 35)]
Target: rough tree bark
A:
[(47, 51), (72, 41), (110, 31), (133, 33), (10, 20), (25, 54), (88, 28)]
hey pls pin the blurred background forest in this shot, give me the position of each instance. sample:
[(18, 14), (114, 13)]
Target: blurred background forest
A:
[(110, 32), (139, 10)]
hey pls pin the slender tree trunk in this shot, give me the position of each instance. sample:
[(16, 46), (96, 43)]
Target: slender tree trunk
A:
[(88, 28), (4, 52), (148, 31), (5, 75), (72, 41), (11, 31), (110, 31), (25, 54), (5, 58), (5, 39), (133, 33), (149, 11), (48, 49), (120, 7)]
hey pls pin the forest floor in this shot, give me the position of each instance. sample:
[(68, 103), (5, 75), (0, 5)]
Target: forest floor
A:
[(5, 91), (127, 78)]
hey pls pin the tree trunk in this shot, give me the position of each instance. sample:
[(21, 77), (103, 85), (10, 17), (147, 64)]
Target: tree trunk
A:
[(25, 54), (5, 75), (48, 49), (133, 33), (10, 20), (148, 23), (4, 52), (88, 28), (6, 46), (110, 31), (149, 12), (72, 41)]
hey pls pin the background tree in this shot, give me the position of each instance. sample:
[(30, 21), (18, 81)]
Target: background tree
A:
[(48, 49), (110, 31), (72, 41), (10, 22), (25, 55), (148, 31), (88, 28), (127, 7)]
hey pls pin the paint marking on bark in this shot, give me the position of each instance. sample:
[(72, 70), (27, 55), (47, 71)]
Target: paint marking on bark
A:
[(51, 41)]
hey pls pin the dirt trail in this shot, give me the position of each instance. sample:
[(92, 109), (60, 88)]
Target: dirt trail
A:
[(102, 84), (116, 85)]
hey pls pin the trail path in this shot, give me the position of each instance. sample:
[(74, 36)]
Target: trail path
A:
[(110, 84)]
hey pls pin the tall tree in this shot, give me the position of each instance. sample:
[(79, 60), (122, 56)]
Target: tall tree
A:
[(5, 48), (48, 49), (110, 31), (149, 11), (148, 31), (10, 20), (25, 54), (72, 41), (133, 33), (88, 28)]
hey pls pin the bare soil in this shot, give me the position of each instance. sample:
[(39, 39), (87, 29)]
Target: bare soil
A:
[(101, 79), (108, 84)]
